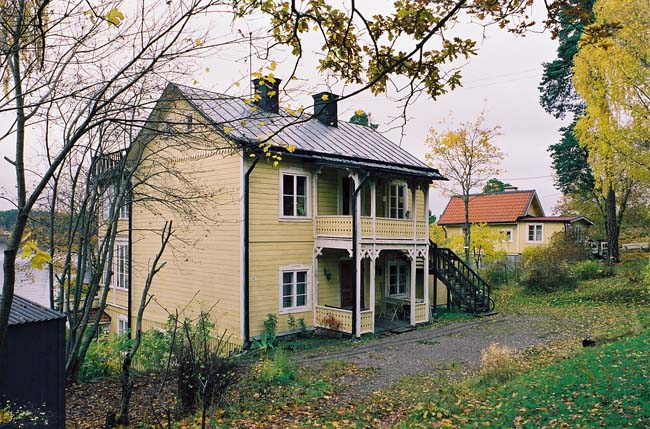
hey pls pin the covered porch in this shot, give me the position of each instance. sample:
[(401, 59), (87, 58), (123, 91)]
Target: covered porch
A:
[(393, 286)]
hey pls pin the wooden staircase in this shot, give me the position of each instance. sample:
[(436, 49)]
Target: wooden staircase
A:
[(467, 288)]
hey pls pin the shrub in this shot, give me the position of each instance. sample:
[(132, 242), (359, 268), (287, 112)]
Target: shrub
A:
[(544, 269), (203, 372), (276, 369), (498, 363), (590, 269), (267, 340)]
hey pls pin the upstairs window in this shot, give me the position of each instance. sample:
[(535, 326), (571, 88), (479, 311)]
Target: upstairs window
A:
[(507, 235), (535, 233), (294, 195), (189, 122), (397, 196)]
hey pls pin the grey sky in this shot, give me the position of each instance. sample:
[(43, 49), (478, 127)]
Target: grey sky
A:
[(501, 80)]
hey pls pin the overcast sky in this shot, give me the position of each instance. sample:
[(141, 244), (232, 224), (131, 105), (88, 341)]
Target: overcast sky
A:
[(501, 80)]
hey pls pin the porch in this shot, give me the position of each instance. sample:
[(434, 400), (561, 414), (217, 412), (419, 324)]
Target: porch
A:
[(393, 287)]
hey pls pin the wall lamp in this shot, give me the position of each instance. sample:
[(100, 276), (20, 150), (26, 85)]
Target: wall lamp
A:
[(327, 273)]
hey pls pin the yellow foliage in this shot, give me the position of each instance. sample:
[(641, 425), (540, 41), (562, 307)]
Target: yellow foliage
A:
[(114, 17), (38, 257), (611, 74)]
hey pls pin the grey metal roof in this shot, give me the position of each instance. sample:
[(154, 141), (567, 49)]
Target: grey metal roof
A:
[(24, 311), (350, 141)]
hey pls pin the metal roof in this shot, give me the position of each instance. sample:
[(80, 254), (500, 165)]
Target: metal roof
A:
[(24, 311), (356, 143)]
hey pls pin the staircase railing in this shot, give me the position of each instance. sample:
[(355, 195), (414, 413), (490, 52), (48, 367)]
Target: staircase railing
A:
[(465, 285)]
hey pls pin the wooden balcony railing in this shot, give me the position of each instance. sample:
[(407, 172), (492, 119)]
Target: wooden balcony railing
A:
[(385, 228), (339, 319)]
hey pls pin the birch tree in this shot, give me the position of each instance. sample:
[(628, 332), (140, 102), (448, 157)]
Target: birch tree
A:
[(467, 156)]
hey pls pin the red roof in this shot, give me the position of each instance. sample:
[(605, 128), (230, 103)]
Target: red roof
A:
[(498, 207)]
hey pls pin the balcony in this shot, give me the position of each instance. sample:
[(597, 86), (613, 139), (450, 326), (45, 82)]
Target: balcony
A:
[(383, 228)]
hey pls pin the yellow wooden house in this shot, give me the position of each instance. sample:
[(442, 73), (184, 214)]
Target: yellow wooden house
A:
[(517, 214), (307, 217)]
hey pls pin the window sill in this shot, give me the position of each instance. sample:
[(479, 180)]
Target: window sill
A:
[(295, 310), (294, 219)]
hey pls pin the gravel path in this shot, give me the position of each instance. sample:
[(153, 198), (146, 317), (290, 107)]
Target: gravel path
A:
[(434, 349)]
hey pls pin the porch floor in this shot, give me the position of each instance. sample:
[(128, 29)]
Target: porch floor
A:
[(383, 324)]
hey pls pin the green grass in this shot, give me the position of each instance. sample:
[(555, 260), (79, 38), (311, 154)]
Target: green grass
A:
[(600, 387)]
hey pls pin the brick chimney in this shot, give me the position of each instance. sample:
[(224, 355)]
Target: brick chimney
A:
[(268, 91), (325, 109)]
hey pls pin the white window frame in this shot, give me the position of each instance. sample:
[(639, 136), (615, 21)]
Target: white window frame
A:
[(541, 232), (122, 320), (390, 200), (294, 308), (107, 205), (398, 263), (506, 233), (119, 281), (295, 173)]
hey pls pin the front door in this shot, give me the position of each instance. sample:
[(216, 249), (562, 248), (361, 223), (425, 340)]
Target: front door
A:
[(346, 274)]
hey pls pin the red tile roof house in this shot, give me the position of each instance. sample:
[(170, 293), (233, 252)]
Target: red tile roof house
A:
[(517, 214)]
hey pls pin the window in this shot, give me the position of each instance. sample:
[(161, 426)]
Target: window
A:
[(397, 195), (294, 195), (535, 232), (121, 266), (189, 121), (294, 289), (124, 211), (398, 278), (122, 325), (507, 234), (107, 205)]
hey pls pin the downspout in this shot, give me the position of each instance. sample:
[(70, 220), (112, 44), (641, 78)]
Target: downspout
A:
[(355, 234), (246, 274), (130, 265)]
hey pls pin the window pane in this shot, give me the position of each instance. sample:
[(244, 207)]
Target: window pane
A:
[(287, 184), (531, 233), (287, 206), (287, 278), (301, 300), (301, 209), (301, 185), (286, 302), (301, 276)]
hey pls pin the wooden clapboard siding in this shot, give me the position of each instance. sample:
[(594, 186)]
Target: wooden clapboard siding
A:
[(275, 243), (328, 290), (328, 183), (203, 257)]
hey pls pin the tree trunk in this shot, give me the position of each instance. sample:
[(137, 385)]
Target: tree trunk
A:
[(611, 226), (468, 233)]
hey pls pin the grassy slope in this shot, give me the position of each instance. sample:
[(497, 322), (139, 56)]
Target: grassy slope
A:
[(600, 387)]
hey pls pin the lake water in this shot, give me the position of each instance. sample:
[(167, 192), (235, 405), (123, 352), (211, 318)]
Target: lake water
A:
[(31, 283)]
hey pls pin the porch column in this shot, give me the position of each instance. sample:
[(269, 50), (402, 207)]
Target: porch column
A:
[(413, 278), (425, 271), (373, 208), (414, 191), (426, 211), (315, 283), (373, 258), (425, 190), (357, 258)]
